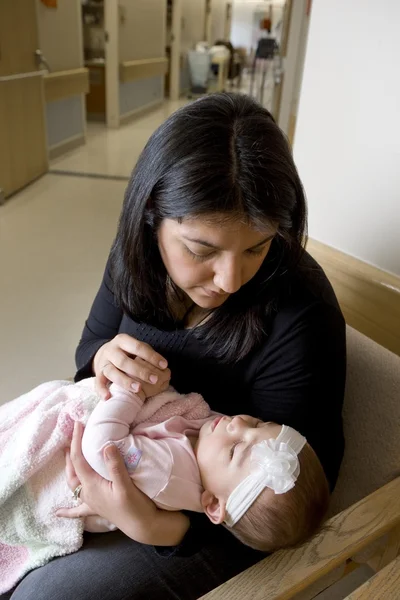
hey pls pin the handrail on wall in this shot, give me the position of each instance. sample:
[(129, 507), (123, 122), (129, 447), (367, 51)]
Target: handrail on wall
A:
[(62, 84), (130, 70)]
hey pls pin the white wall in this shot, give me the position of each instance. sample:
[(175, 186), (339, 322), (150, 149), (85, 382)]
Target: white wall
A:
[(347, 142)]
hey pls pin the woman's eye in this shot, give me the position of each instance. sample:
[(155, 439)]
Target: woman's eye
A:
[(199, 257), (257, 252)]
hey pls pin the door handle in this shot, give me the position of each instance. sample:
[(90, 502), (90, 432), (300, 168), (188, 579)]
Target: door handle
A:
[(41, 60)]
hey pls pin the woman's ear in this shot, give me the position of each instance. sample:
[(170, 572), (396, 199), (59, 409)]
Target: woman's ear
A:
[(214, 507)]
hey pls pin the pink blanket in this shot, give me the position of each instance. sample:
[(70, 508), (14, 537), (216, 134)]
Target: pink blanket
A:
[(34, 431)]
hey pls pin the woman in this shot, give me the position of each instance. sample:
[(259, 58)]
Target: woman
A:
[(207, 275)]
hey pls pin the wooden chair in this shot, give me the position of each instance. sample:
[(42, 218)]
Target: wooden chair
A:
[(364, 526)]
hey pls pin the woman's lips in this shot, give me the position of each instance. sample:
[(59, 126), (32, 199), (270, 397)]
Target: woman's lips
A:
[(213, 294)]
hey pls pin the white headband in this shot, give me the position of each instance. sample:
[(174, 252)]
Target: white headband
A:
[(274, 464)]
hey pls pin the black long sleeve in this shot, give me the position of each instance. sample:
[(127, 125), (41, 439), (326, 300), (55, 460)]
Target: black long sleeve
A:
[(101, 326)]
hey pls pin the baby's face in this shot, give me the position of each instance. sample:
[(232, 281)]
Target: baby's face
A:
[(223, 450)]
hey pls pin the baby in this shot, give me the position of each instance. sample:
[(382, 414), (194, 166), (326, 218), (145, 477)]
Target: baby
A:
[(260, 480)]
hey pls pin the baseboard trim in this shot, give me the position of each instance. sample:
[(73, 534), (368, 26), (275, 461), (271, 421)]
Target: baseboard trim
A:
[(66, 145), (139, 112), (368, 296)]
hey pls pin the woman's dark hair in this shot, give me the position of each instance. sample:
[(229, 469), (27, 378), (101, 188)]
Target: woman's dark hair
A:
[(222, 155)]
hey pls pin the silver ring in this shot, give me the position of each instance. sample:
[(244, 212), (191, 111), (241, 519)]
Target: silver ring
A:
[(77, 492)]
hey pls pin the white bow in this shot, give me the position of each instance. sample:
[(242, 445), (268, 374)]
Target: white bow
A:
[(277, 463), (274, 464)]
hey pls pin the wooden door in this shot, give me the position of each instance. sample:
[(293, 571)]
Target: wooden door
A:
[(23, 145)]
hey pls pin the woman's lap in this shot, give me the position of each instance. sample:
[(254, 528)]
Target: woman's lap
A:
[(112, 567)]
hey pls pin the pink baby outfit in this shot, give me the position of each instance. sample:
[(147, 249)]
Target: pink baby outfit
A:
[(37, 427), (159, 455)]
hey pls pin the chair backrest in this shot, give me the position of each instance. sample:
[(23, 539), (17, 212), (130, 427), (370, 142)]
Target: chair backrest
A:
[(371, 416)]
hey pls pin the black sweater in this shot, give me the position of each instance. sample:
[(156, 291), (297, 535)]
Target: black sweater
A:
[(296, 377)]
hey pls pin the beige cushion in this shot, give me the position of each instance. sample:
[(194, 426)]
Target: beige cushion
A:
[(371, 421)]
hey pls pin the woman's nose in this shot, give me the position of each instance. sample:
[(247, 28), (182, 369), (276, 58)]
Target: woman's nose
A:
[(228, 276)]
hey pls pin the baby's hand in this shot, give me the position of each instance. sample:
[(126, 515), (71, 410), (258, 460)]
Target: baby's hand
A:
[(152, 389)]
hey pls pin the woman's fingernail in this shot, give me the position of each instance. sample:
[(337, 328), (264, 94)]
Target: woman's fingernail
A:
[(153, 378), (163, 364), (135, 386)]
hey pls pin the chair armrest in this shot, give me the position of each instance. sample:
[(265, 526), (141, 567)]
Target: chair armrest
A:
[(284, 574)]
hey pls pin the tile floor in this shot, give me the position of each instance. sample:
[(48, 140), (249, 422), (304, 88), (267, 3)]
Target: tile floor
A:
[(54, 240)]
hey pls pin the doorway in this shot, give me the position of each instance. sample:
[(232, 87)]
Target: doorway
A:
[(100, 23), (93, 29)]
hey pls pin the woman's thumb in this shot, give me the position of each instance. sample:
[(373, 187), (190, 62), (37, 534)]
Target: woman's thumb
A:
[(115, 464), (111, 453)]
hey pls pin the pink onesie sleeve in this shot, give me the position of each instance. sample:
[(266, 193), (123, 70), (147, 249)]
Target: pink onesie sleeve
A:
[(111, 421)]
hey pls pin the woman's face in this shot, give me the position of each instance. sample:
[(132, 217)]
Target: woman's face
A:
[(209, 259)]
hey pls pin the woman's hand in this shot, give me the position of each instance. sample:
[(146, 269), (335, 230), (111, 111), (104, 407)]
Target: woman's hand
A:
[(131, 364), (119, 500)]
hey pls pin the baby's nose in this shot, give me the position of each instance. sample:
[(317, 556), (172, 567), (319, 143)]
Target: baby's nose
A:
[(236, 424)]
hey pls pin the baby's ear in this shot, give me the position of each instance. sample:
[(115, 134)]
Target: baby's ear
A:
[(213, 507)]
